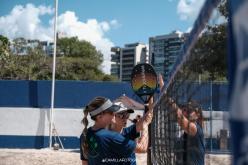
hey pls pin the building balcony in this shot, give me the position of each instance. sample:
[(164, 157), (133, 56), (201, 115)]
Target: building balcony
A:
[(128, 63), (127, 69), (115, 57), (127, 72), (126, 55)]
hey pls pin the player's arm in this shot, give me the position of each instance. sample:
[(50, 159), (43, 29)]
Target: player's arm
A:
[(147, 118), (142, 141), (142, 126), (189, 127), (84, 162), (130, 103)]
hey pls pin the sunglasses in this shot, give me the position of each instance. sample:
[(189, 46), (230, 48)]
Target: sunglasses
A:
[(122, 115)]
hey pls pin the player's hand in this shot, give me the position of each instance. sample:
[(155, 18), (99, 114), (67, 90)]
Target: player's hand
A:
[(172, 103), (160, 81)]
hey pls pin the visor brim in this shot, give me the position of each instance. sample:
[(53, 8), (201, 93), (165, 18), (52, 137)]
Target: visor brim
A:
[(114, 108), (126, 110)]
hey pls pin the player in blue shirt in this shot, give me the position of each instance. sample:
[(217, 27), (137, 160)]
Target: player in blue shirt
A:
[(193, 132), (140, 123), (137, 131), (131, 132), (102, 146)]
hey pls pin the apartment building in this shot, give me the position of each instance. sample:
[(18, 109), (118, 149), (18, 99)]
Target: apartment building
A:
[(124, 59), (163, 51)]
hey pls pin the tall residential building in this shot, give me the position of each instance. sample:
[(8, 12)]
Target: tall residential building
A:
[(124, 59), (163, 51), (115, 61)]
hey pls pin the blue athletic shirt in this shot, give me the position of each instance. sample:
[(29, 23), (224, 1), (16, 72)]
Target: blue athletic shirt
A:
[(109, 147), (128, 132), (196, 148), (131, 133)]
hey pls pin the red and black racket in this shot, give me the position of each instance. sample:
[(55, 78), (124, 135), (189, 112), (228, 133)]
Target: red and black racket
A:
[(144, 81)]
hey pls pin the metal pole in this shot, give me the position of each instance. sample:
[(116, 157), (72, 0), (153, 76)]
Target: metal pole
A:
[(211, 119), (53, 75)]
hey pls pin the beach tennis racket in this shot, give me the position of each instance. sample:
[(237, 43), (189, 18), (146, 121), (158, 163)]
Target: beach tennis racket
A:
[(144, 81), (144, 84)]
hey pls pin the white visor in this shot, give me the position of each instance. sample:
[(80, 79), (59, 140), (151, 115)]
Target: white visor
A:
[(108, 105)]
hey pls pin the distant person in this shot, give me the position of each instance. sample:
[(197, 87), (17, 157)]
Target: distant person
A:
[(181, 157), (193, 136)]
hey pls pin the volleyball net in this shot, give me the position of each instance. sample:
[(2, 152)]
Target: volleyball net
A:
[(199, 75)]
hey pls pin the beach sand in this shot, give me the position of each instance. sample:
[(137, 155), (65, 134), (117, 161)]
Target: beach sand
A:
[(46, 157), (69, 157)]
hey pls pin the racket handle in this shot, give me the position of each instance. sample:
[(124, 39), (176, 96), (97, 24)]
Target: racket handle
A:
[(146, 108)]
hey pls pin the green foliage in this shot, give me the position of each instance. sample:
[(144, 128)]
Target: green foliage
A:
[(72, 47), (223, 8), (4, 47), (76, 68), (77, 60), (4, 42), (209, 56), (107, 77)]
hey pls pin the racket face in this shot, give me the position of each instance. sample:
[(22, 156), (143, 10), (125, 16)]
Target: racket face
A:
[(144, 80)]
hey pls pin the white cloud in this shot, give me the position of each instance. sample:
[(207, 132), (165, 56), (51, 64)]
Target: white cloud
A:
[(91, 30), (180, 33), (24, 21), (189, 30), (115, 24), (217, 18), (189, 9)]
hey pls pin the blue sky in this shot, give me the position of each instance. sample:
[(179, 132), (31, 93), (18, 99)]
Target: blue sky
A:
[(104, 23)]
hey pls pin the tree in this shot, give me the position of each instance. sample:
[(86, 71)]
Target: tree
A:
[(78, 60), (66, 46), (4, 47), (5, 60), (223, 8), (4, 44), (107, 77), (209, 56), (72, 47), (77, 68)]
